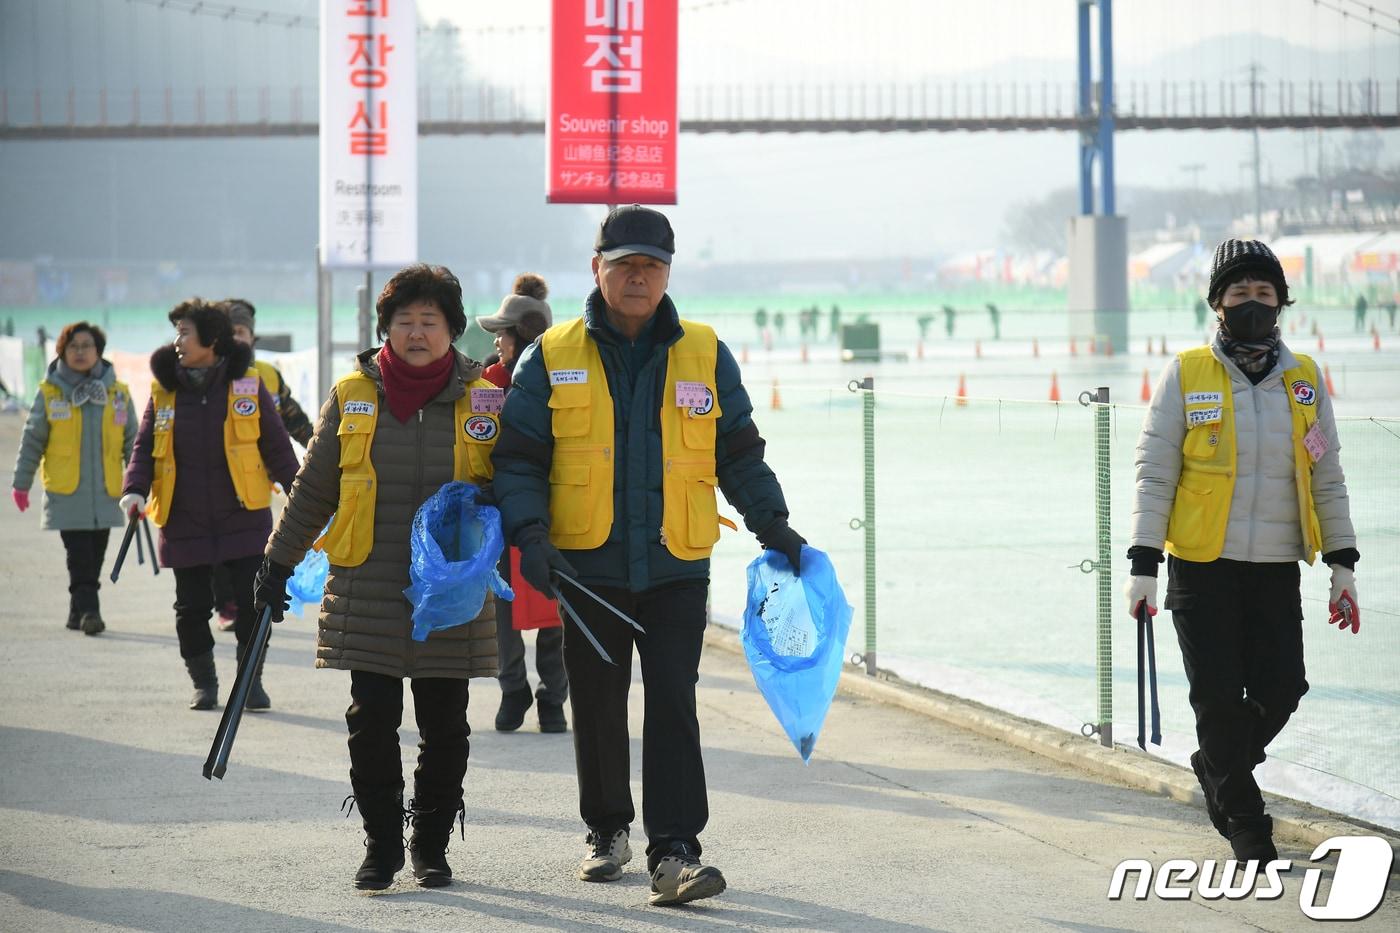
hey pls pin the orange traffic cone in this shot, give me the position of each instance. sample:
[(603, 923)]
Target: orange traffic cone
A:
[(1292, 328), (1327, 378), (744, 353), (1035, 348), (1092, 349), (977, 349), (804, 351), (1146, 393), (1108, 347), (1073, 347), (768, 339), (919, 348), (1375, 338), (777, 399), (962, 389), (1054, 386), (1321, 344)]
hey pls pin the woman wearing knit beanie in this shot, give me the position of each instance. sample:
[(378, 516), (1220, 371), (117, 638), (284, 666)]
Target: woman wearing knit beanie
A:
[(1238, 479), (523, 316)]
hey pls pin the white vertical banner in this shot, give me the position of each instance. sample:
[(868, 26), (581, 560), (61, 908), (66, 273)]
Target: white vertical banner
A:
[(369, 133)]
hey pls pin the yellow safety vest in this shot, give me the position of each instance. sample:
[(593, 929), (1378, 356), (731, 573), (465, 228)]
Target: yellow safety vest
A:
[(242, 429), (271, 376), (63, 453), (1201, 511), (347, 542), (581, 420)]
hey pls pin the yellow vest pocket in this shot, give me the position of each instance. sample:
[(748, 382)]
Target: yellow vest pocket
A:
[(570, 410), (570, 508), (702, 511)]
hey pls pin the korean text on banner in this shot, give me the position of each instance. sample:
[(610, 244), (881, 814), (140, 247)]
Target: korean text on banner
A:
[(612, 110), (369, 133)]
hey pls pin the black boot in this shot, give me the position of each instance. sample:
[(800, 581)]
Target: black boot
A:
[(206, 681), (92, 624), (432, 828), (552, 717), (74, 619), (1252, 837), (514, 703), (382, 811), (258, 701)]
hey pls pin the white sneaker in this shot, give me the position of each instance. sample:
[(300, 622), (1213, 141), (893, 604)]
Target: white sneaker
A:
[(606, 856), (680, 878)]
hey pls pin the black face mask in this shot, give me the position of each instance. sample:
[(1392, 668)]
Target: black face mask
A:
[(1251, 322)]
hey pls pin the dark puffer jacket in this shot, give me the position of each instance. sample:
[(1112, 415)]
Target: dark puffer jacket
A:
[(366, 623), (206, 523), (633, 555)]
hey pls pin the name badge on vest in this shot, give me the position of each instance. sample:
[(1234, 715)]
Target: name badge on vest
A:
[(1204, 398), (696, 396), (488, 401), (247, 386), (119, 415), (1315, 442), (60, 410), (568, 377), (359, 408), (1203, 416), (163, 418)]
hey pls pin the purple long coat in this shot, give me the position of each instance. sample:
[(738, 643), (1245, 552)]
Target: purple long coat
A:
[(205, 524)]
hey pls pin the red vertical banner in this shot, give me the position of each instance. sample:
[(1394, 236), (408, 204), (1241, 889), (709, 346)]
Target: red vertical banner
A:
[(611, 135)]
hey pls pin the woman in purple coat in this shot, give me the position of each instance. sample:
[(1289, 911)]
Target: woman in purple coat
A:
[(209, 447)]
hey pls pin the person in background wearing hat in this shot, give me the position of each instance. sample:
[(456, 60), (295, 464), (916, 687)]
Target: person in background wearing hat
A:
[(1239, 478), (78, 438), (523, 316), (619, 427), (242, 313)]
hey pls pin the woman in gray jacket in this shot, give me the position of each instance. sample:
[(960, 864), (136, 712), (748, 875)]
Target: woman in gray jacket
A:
[(78, 438), (1239, 478)]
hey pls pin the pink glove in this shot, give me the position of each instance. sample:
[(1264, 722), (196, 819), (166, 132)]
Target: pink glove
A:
[(21, 497)]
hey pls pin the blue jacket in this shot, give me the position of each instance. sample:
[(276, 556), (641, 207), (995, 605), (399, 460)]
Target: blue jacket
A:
[(633, 556)]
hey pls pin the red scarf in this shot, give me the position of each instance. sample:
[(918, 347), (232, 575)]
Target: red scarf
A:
[(407, 388)]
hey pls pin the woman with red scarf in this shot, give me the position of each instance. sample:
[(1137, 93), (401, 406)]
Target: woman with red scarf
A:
[(387, 439)]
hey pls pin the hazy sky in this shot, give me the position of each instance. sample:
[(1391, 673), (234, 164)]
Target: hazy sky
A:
[(880, 194)]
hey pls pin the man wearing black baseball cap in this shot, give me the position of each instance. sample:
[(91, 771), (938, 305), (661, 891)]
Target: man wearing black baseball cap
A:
[(620, 426)]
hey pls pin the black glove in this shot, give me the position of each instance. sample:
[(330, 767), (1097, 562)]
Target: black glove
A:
[(539, 558), (779, 536), (270, 588), (486, 495)]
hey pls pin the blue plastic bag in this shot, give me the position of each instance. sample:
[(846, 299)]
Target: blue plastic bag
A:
[(453, 550), (308, 581), (795, 639)]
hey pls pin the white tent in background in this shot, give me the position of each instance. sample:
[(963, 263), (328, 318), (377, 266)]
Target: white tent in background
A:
[(1332, 255)]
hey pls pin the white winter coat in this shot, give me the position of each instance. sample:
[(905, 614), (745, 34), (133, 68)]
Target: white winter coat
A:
[(1264, 525)]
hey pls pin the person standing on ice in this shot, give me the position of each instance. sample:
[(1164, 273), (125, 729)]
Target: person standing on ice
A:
[(413, 416), (619, 428), (1239, 478)]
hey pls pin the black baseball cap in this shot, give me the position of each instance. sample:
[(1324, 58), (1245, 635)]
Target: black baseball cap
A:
[(632, 229)]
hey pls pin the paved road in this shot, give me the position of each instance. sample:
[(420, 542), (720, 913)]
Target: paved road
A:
[(900, 823)]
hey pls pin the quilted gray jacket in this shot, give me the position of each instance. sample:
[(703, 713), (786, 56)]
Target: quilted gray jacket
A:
[(1264, 524)]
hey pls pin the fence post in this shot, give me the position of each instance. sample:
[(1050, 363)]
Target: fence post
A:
[(1100, 565), (866, 387)]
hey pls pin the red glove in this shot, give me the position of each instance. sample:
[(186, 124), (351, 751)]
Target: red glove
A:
[(21, 497)]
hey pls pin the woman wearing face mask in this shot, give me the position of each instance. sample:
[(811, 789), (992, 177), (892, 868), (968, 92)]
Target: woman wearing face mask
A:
[(209, 448), (78, 438), (414, 415), (1239, 478), (523, 316)]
